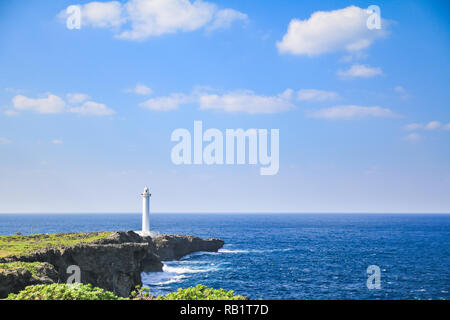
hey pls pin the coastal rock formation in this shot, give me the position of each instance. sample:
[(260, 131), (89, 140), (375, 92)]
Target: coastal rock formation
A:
[(174, 247), (18, 277), (113, 263)]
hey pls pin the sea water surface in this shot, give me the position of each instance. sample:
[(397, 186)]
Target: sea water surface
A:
[(287, 256)]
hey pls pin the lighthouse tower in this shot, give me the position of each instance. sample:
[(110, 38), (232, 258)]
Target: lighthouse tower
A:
[(146, 211)]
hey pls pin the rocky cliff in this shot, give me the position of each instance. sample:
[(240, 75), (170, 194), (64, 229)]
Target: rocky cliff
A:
[(113, 263)]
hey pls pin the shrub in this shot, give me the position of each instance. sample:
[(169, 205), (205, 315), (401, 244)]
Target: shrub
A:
[(141, 293), (201, 292), (59, 291)]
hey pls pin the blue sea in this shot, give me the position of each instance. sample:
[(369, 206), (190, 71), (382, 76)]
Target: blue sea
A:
[(287, 256)]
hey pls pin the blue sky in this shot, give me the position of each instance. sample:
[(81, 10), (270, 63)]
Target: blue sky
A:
[(86, 114)]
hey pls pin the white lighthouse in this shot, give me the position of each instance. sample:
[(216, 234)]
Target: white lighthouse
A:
[(146, 212)]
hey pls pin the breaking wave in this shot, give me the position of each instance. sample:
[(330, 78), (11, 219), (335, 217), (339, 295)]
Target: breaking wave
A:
[(253, 250), (183, 270)]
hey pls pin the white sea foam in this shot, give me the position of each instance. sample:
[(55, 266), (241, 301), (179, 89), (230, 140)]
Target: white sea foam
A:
[(233, 251), (192, 262), (185, 269), (253, 250), (181, 270), (178, 271), (177, 278), (196, 254)]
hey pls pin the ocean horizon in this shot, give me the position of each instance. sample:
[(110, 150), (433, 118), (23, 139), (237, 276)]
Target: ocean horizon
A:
[(286, 256)]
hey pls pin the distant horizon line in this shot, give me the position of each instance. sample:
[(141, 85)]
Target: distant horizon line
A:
[(231, 213)]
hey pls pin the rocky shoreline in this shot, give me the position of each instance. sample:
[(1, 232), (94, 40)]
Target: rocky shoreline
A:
[(113, 263)]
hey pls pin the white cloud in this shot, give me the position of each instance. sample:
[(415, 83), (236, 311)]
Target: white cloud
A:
[(352, 112), (316, 95), (400, 89), (354, 56), (330, 31), (157, 17), (93, 108), (360, 71), (413, 126), (51, 104), (99, 14), (13, 90), (11, 113), (141, 90), (5, 141), (413, 137), (57, 141), (102, 14), (146, 18), (402, 92), (76, 98), (225, 18), (236, 101), (168, 103), (247, 101), (432, 125)]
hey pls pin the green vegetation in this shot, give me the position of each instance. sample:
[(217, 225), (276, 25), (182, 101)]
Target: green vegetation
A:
[(30, 266), (201, 292), (60, 291), (24, 244), (140, 293)]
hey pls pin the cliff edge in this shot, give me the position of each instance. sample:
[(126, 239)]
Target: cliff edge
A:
[(109, 260)]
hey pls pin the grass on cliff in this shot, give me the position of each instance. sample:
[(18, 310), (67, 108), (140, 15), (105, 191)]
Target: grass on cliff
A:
[(24, 244), (30, 266), (62, 291)]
